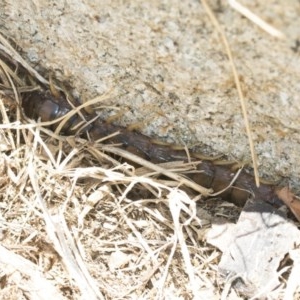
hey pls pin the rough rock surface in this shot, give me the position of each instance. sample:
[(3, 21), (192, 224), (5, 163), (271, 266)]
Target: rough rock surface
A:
[(165, 62)]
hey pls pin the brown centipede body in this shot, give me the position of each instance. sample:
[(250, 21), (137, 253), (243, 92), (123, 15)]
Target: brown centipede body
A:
[(44, 106)]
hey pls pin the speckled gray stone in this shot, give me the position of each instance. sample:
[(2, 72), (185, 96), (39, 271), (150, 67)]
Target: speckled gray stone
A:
[(166, 67)]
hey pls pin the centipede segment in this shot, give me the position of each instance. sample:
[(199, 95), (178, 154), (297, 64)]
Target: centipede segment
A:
[(44, 106)]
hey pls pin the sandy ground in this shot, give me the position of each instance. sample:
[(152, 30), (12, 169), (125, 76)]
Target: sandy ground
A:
[(167, 70)]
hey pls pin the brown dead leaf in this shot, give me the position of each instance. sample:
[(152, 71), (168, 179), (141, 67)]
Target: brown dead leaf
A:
[(290, 200)]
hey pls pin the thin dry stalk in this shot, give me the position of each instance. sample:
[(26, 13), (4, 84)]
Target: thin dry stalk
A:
[(238, 86), (255, 19)]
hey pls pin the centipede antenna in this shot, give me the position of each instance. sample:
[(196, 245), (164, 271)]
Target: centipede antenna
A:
[(187, 151), (54, 91), (64, 119), (84, 125)]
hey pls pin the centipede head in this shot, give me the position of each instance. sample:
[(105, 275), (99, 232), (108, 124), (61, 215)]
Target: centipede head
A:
[(45, 107), (40, 104)]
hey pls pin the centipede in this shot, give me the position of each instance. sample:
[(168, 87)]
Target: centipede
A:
[(44, 106)]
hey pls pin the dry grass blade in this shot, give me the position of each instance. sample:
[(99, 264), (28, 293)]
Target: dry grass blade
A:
[(255, 19), (178, 202), (8, 49), (5, 120), (64, 119), (238, 86), (36, 285), (63, 241), (158, 169)]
